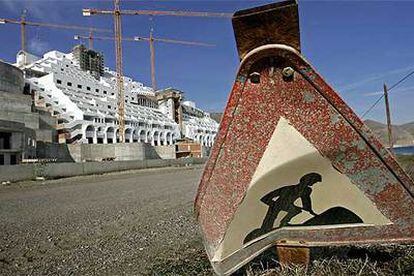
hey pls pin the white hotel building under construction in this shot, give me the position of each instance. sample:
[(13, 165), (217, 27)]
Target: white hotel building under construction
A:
[(80, 93)]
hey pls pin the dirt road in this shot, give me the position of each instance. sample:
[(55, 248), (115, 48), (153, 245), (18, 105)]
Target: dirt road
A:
[(136, 223), (133, 223)]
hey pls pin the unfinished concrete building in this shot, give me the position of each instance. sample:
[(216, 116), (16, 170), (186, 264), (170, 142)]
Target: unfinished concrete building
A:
[(89, 60), (21, 126)]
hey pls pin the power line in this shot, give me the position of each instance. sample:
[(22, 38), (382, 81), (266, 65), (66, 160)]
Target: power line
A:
[(391, 87)]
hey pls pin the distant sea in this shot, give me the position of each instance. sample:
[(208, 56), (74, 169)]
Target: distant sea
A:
[(406, 150)]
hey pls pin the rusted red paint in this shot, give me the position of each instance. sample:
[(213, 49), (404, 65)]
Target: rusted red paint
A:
[(296, 255), (314, 109)]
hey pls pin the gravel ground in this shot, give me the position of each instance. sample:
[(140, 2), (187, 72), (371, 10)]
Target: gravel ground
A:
[(141, 223), (134, 223)]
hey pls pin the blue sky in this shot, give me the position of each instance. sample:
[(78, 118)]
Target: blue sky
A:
[(356, 46)]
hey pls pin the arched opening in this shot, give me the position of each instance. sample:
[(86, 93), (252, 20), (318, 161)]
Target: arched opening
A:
[(161, 139), (168, 139), (142, 136), (135, 136), (155, 138), (128, 135), (148, 138), (110, 135), (118, 139), (90, 134), (210, 142), (207, 141), (100, 135)]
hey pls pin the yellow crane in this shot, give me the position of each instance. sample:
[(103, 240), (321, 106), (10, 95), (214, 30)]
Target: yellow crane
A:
[(151, 39), (117, 13), (23, 23)]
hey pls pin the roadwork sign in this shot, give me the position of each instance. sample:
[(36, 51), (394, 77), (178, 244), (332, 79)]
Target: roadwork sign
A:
[(293, 165)]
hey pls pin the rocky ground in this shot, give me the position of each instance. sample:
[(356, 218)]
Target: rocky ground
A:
[(140, 223), (135, 223)]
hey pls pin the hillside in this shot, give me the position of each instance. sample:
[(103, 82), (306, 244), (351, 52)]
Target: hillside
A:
[(402, 134), (216, 116)]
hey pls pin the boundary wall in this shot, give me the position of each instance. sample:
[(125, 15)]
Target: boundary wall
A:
[(99, 152), (59, 170)]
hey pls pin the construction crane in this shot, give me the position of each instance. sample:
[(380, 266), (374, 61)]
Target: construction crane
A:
[(23, 23), (151, 41), (117, 13)]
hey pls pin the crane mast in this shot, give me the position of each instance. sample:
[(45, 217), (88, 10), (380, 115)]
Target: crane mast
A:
[(151, 40), (116, 13), (23, 31), (24, 23), (152, 53), (119, 74)]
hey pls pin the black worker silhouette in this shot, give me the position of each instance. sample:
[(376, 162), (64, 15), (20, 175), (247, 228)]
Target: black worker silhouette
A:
[(283, 199)]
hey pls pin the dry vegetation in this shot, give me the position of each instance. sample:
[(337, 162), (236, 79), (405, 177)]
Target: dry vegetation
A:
[(375, 260), (389, 260), (386, 260)]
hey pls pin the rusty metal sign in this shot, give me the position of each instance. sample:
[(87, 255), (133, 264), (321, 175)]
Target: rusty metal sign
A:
[(293, 165), (269, 24)]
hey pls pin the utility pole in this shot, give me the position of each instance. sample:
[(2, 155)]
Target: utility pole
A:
[(152, 50), (387, 111), (119, 74)]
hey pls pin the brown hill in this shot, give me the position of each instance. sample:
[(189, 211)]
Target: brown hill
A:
[(216, 116), (402, 134)]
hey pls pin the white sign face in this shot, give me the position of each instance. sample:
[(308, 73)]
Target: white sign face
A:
[(293, 187)]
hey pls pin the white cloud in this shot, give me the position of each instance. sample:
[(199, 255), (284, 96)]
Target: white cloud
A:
[(396, 90), (38, 47), (11, 5), (373, 78), (35, 9), (373, 94)]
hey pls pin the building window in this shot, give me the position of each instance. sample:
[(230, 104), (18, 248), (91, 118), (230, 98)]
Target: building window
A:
[(88, 88), (1, 159), (109, 106), (105, 92), (59, 82), (5, 138), (69, 84), (96, 90), (13, 159), (79, 86)]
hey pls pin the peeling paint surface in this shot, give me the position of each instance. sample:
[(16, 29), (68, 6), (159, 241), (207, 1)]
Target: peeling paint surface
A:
[(322, 117)]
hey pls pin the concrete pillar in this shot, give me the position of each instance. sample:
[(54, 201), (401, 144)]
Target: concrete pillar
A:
[(95, 137)]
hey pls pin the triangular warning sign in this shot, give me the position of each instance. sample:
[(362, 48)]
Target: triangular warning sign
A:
[(292, 162), (276, 198)]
